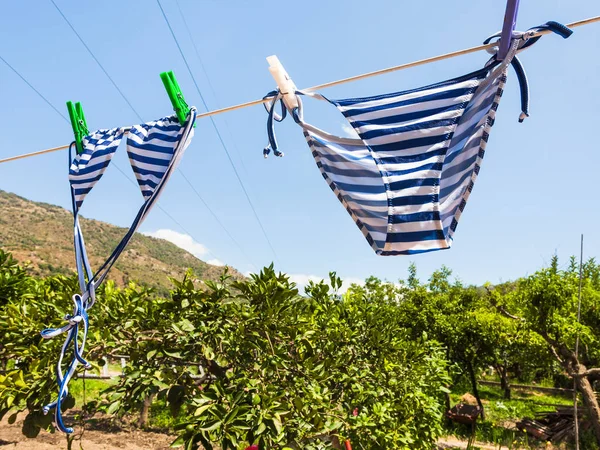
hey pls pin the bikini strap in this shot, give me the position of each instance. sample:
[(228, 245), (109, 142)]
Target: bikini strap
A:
[(516, 64)]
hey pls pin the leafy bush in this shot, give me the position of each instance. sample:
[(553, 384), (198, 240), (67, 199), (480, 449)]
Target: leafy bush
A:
[(251, 361), (282, 370), (241, 362)]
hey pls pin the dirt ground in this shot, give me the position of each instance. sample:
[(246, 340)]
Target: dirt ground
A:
[(96, 436), (103, 436), (451, 442)]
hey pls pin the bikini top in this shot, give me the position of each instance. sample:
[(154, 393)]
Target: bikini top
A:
[(154, 150)]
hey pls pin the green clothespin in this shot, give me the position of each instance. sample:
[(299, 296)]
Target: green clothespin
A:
[(80, 129), (179, 105)]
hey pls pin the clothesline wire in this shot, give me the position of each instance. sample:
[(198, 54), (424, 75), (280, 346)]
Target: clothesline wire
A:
[(140, 118), (335, 83), (237, 175), (388, 70)]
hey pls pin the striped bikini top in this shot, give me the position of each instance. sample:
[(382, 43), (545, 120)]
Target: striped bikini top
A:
[(154, 150), (407, 178)]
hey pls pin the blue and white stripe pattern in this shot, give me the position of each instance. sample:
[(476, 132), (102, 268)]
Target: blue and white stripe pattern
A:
[(150, 147), (89, 166), (352, 175), (406, 181), (166, 137)]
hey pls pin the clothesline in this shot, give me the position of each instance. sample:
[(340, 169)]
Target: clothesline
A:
[(335, 83)]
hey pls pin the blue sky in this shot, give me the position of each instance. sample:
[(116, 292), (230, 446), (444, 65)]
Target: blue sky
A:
[(536, 193)]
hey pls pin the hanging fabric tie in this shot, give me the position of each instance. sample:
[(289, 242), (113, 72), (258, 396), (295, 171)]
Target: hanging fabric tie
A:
[(406, 180), (273, 117), (556, 28), (154, 150)]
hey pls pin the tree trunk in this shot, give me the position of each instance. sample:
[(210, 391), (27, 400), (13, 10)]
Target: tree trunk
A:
[(475, 390), (589, 400), (70, 439), (575, 368), (504, 384), (448, 406), (144, 412), (516, 368)]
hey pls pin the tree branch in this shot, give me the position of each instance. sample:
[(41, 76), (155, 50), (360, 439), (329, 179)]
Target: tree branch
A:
[(505, 313), (587, 373), (501, 309)]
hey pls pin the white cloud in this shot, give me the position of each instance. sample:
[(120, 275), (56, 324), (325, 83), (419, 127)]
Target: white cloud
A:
[(349, 130), (186, 242), (215, 262), (302, 281)]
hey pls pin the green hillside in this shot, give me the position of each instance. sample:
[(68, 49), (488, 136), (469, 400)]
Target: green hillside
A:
[(42, 234)]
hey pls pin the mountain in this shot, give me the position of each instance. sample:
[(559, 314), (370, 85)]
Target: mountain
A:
[(42, 234)]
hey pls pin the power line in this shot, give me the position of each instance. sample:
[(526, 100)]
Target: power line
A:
[(214, 215), (140, 118), (34, 89), (218, 133), (212, 89), (96, 59), (167, 214)]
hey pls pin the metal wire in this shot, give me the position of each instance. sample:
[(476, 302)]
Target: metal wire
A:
[(237, 175), (338, 82)]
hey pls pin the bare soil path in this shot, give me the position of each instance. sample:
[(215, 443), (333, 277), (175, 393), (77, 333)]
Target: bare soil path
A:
[(101, 435), (97, 436)]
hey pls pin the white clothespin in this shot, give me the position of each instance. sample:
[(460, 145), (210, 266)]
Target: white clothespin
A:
[(284, 82)]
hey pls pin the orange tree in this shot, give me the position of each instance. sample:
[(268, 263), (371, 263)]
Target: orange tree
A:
[(282, 369), (546, 303), (249, 362)]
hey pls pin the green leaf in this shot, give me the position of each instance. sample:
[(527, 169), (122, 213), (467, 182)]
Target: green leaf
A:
[(68, 402), (212, 427), (186, 325), (172, 354), (277, 423), (113, 407), (175, 398), (30, 429), (200, 410), (178, 442)]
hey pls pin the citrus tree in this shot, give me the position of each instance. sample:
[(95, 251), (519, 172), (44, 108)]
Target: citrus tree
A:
[(238, 363), (547, 304)]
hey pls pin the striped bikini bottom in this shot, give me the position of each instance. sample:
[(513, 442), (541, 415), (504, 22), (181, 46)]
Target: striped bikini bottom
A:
[(406, 178), (406, 181)]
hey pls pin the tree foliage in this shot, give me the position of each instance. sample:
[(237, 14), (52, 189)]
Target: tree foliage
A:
[(254, 361), (243, 362)]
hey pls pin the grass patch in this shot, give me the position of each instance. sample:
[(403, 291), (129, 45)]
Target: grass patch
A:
[(160, 416), (522, 404), (93, 389), (501, 413)]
